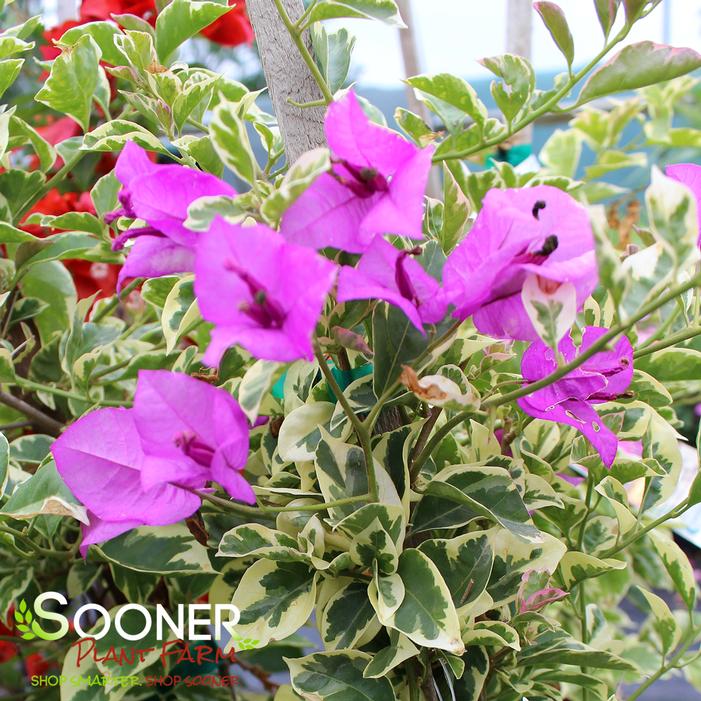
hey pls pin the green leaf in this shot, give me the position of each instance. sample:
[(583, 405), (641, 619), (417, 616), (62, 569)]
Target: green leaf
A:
[(103, 33), (396, 342), (555, 648), (182, 19), (9, 70), (275, 600), (164, 550), (347, 617), (44, 493), (664, 623), (111, 136), (384, 661), (4, 468), (575, 567), (43, 149), (300, 432), (426, 614), (465, 563), (492, 634), (341, 472), (18, 187), (256, 539), (31, 449), (332, 51), (179, 312), (456, 209), (606, 11), (230, 140), (677, 565), (638, 65), (73, 81), (518, 83), (451, 97), (635, 8), (562, 151), (337, 676), (383, 10), (554, 20), (461, 494), (255, 385), (53, 284), (296, 180), (672, 213)]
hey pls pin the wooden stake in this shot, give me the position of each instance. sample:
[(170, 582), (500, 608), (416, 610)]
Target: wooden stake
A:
[(288, 77)]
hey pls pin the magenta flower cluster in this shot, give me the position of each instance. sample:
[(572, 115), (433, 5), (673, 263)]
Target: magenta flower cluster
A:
[(266, 290), (142, 466)]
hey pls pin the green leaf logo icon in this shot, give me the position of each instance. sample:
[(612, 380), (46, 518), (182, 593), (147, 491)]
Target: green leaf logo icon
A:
[(27, 625)]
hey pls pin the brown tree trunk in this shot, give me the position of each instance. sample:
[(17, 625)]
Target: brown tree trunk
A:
[(288, 77)]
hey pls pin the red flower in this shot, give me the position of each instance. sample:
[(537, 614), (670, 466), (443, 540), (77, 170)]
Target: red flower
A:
[(91, 10), (89, 277), (7, 649), (36, 665), (231, 29)]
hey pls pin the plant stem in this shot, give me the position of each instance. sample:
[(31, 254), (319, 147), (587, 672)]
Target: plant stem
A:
[(423, 437), (38, 387), (636, 535), (543, 109), (691, 637), (361, 430), (678, 337), (38, 418), (296, 34), (597, 346), (438, 436), (22, 538), (262, 510), (387, 394), (54, 180), (116, 299)]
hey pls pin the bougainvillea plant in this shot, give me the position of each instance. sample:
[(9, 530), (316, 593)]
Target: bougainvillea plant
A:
[(416, 413)]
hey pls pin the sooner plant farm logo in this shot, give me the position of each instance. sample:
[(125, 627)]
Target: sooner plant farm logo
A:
[(191, 621)]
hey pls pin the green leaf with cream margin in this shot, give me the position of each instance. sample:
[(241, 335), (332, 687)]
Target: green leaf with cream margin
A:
[(165, 550), (256, 540), (672, 212), (399, 650), (463, 493), (181, 19), (348, 618), (300, 432), (302, 173), (385, 11), (575, 567), (44, 493), (255, 387), (73, 81), (275, 600), (180, 312), (677, 565), (663, 620), (465, 563), (425, 614), (337, 676), (341, 472)]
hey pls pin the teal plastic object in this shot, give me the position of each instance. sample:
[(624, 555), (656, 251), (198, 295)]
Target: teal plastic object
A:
[(343, 377), (514, 155)]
